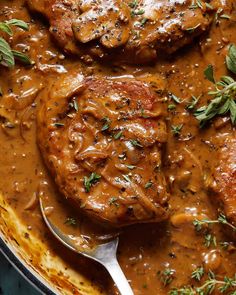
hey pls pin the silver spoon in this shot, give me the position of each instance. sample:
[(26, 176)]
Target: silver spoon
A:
[(105, 254)]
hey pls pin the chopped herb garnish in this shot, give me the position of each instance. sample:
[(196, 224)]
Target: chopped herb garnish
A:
[(175, 98), (209, 6), (167, 276), (171, 107), (58, 124), (196, 4), (176, 129), (191, 30), (113, 201), (118, 135), (106, 124), (126, 178), (137, 12), (143, 21), (197, 274), (145, 286), (224, 245), (74, 105), (143, 114), (148, 184), (133, 4), (89, 181), (71, 221), (210, 240), (136, 143), (191, 105)]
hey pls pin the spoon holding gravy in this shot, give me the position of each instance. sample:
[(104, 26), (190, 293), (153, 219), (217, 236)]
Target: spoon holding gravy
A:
[(104, 253)]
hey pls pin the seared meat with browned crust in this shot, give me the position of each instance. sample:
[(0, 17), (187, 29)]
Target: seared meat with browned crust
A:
[(135, 31), (102, 140), (224, 175)]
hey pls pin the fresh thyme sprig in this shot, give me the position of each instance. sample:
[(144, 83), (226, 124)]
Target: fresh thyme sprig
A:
[(167, 276), (224, 95), (198, 273), (210, 285), (198, 224)]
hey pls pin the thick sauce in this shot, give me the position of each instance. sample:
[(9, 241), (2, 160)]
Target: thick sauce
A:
[(155, 257)]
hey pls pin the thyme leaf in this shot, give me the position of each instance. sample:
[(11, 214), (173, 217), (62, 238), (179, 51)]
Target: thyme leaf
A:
[(198, 224), (89, 181)]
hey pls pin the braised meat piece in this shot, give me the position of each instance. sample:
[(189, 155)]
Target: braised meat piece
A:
[(102, 140), (134, 31), (224, 174)]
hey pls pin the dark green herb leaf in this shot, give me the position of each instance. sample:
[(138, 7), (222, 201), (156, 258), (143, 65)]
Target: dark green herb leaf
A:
[(126, 177), (197, 274), (106, 124), (209, 73), (118, 135), (89, 181), (136, 143), (22, 57), (210, 240), (192, 29), (139, 12), (143, 21), (113, 201), (148, 184), (191, 105), (167, 276), (133, 4), (6, 55), (231, 59), (6, 28), (175, 98), (58, 124), (176, 129), (71, 221), (18, 23), (171, 107)]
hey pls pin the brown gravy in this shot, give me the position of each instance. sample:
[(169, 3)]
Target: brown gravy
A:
[(145, 251)]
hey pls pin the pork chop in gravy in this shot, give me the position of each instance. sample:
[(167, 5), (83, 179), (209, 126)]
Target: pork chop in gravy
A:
[(136, 31), (102, 140)]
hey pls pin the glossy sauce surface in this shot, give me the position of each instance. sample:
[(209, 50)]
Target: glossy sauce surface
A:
[(145, 251)]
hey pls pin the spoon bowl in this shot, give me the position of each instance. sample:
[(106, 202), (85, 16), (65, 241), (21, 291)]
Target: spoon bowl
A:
[(104, 254)]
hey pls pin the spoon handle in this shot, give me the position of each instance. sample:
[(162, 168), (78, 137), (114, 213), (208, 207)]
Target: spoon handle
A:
[(118, 277)]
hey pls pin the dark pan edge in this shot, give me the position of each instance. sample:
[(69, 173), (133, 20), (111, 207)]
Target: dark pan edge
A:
[(29, 275)]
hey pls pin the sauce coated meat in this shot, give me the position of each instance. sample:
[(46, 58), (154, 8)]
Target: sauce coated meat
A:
[(137, 31), (103, 141), (224, 174)]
